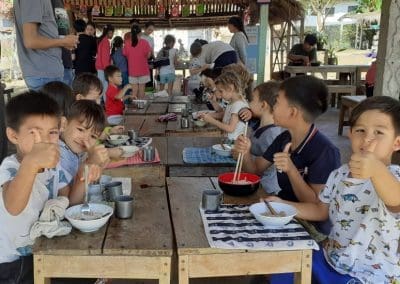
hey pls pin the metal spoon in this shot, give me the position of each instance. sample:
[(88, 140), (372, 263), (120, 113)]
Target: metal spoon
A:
[(85, 209)]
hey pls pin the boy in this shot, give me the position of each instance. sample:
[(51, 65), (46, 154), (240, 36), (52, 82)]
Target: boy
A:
[(85, 122), (114, 96), (87, 86), (262, 102), (303, 156), (362, 200), (33, 127)]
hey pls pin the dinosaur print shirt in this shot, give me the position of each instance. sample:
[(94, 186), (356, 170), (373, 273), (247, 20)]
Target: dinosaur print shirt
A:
[(365, 235)]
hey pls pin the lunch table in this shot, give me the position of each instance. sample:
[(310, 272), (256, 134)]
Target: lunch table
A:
[(196, 259), (174, 128), (136, 248)]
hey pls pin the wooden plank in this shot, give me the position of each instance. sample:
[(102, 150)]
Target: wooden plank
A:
[(152, 127), (132, 110), (179, 100), (159, 100), (142, 176), (304, 277), (174, 129), (150, 218), (134, 122), (198, 171), (160, 108)]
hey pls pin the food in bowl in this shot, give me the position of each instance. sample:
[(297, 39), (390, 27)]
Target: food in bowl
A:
[(248, 184), (129, 151), (117, 139), (285, 214), (199, 122), (97, 217), (222, 150)]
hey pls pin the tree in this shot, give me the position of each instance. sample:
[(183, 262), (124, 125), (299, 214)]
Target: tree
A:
[(6, 9), (369, 6), (321, 8)]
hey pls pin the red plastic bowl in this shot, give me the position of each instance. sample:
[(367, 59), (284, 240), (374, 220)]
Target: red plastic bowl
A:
[(225, 183)]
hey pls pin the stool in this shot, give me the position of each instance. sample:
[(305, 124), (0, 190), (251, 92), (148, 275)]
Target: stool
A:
[(348, 103), (339, 90)]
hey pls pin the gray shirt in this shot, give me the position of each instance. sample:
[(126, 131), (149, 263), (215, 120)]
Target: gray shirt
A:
[(211, 51), (239, 43), (149, 39), (44, 63)]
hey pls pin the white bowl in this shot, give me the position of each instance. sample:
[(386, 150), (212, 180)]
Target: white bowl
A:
[(258, 209), (100, 212), (118, 139), (129, 151), (217, 148), (199, 122), (195, 114)]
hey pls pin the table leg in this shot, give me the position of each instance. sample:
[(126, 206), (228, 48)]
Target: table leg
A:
[(39, 277), (304, 276), (183, 269), (165, 271), (343, 109)]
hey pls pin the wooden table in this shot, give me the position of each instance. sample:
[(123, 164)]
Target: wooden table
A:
[(176, 166), (146, 125), (348, 103), (149, 108), (174, 129), (121, 249), (196, 259)]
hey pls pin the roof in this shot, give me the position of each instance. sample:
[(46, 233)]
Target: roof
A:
[(360, 17)]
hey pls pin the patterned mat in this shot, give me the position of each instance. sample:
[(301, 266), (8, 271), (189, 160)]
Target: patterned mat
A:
[(197, 155), (134, 160)]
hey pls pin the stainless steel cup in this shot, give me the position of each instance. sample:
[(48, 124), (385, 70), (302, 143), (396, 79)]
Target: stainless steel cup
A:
[(148, 154), (124, 206), (112, 191), (140, 104), (184, 122), (132, 134), (211, 200), (185, 112)]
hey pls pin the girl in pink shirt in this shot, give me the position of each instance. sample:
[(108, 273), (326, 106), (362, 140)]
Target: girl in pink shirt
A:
[(103, 57), (137, 51)]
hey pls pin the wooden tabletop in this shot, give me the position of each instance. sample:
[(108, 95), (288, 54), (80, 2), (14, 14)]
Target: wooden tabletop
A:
[(324, 68), (174, 129), (149, 108)]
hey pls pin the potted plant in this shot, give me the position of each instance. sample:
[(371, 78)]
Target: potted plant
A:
[(322, 40), (332, 58)]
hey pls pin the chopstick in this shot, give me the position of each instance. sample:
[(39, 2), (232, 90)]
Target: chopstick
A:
[(239, 164)]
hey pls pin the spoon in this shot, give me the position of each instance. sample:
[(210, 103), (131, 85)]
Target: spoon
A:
[(85, 209), (270, 208)]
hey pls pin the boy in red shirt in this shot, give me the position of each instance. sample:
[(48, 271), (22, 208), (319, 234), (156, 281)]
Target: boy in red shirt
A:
[(114, 95)]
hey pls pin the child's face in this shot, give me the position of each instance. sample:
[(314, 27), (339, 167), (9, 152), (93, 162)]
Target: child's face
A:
[(78, 137), (374, 132), (225, 92), (24, 138), (116, 79), (282, 110), (256, 106), (93, 95)]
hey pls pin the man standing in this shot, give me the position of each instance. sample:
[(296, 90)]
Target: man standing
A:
[(302, 54), (38, 42)]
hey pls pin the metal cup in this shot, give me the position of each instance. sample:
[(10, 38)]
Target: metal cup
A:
[(148, 154), (95, 192), (132, 134), (124, 207), (185, 112), (140, 104), (211, 200), (112, 191), (184, 122)]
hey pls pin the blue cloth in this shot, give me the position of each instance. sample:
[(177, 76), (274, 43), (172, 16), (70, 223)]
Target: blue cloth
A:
[(36, 83), (119, 60), (322, 273), (315, 158), (196, 155), (167, 78), (69, 161)]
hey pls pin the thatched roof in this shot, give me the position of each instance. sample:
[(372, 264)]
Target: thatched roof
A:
[(214, 12)]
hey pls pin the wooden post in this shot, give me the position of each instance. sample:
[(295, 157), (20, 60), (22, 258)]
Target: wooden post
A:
[(262, 43)]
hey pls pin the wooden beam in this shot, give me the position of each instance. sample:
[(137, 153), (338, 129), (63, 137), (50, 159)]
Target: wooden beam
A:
[(262, 44)]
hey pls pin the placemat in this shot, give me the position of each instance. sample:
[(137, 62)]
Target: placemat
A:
[(134, 160), (198, 155), (138, 142), (234, 227)]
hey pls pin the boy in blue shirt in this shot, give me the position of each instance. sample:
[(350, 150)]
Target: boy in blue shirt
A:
[(362, 201)]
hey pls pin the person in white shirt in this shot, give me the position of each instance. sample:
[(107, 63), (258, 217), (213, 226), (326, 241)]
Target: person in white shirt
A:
[(167, 72)]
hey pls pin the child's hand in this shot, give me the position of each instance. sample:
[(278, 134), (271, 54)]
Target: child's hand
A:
[(128, 87), (363, 165), (133, 97), (118, 129), (43, 155), (205, 116), (94, 173), (114, 153), (235, 153), (245, 114), (242, 144), (97, 154), (282, 160)]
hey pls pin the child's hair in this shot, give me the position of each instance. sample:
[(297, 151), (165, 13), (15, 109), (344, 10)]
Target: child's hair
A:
[(30, 103), (238, 23), (85, 82), (107, 28), (135, 31), (169, 42), (229, 78), (195, 48), (61, 93), (80, 25), (383, 104), (116, 43), (268, 92), (307, 92), (246, 79), (110, 70), (88, 112)]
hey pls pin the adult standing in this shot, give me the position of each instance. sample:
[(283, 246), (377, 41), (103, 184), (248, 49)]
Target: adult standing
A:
[(38, 42), (239, 40), (103, 58), (146, 35), (137, 52), (85, 52), (90, 29)]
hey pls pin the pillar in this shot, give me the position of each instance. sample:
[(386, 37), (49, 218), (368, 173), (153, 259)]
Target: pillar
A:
[(262, 46)]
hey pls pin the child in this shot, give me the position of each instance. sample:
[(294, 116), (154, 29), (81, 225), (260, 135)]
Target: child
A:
[(362, 200), (261, 105), (167, 73), (87, 86), (114, 96), (62, 94), (303, 156), (229, 88), (85, 122), (119, 60)]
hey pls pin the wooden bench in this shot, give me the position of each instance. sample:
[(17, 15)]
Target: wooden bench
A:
[(336, 92), (348, 103)]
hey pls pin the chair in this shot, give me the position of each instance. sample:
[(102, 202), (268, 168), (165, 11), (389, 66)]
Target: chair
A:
[(340, 90), (348, 103)]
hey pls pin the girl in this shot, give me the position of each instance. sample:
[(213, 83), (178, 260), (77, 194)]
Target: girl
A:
[(103, 58), (167, 73), (137, 51), (119, 60), (239, 40), (228, 86)]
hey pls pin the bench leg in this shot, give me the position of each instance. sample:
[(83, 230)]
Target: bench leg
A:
[(183, 269), (165, 273), (39, 277), (341, 119), (304, 276)]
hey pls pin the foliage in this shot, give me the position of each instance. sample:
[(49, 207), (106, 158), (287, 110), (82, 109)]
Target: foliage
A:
[(331, 52), (369, 6)]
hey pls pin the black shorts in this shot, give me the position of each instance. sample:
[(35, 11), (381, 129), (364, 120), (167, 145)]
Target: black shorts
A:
[(19, 271)]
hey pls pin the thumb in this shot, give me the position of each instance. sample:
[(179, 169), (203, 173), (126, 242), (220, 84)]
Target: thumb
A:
[(371, 146), (87, 145), (36, 136), (287, 147)]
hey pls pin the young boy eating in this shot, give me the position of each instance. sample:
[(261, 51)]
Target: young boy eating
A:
[(362, 200)]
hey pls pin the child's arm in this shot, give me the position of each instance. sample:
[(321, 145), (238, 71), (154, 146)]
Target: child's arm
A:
[(223, 126), (198, 70), (122, 92), (97, 155)]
